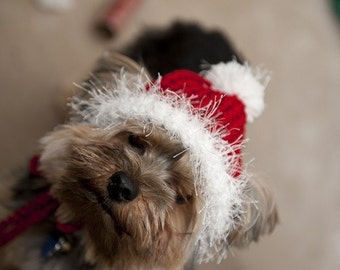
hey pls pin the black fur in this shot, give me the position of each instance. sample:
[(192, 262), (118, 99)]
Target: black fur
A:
[(182, 46)]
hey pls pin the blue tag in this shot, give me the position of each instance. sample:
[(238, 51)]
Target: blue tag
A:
[(57, 243), (49, 248)]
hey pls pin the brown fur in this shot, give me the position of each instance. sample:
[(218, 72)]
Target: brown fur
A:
[(259, 216)]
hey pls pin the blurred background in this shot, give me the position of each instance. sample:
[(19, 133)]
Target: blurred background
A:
[(296, 143)]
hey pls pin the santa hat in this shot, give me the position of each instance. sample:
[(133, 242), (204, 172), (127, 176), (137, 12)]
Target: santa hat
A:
[(207, 113)]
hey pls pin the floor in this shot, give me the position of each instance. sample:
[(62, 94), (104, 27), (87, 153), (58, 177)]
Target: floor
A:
[(296, 142)]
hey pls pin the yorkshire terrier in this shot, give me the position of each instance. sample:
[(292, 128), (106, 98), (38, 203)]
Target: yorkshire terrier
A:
[(148, 172)]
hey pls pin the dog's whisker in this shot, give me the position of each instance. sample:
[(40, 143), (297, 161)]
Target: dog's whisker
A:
[(178, 155)]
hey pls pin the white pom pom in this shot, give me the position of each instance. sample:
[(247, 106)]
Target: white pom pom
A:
[(233, 78)]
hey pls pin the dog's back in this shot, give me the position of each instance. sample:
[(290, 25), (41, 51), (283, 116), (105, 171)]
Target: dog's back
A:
[(182, 46)]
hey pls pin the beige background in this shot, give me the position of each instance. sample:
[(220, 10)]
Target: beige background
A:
[(296, 141)]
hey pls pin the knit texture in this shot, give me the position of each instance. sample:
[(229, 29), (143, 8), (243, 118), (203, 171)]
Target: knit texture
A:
[(35, 211), (228, 111), (248, 85)]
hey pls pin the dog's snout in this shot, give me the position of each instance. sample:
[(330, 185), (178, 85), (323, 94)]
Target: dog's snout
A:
[(122, 188)]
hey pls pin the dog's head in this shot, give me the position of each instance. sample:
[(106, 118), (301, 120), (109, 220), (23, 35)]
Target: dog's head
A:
[(132, 190), (141, 191)]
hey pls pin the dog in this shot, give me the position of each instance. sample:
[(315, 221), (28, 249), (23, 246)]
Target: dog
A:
[(147, 173)]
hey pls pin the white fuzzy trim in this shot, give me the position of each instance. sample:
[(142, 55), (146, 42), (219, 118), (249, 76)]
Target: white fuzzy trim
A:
[(233, 78), (213, 160)]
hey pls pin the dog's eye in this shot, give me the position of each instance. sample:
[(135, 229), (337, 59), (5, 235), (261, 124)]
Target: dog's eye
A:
[(137, 142), (182, 200)]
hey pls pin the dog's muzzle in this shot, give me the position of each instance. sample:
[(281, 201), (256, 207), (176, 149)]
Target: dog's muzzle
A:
[(122, 188)]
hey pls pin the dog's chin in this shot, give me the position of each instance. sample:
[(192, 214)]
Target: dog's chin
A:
[(134, 236), (139, 233)]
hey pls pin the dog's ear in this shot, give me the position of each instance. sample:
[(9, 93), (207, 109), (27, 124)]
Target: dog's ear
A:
[(258, 217), (113, 63), (55, 150)]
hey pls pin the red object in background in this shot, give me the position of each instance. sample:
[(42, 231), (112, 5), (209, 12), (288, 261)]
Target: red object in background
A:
[(116, 16)]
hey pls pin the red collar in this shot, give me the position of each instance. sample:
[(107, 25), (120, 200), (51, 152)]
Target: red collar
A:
[(33, 212)]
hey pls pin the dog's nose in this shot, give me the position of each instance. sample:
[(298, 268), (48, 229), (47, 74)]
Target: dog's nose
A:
[(122, 188)]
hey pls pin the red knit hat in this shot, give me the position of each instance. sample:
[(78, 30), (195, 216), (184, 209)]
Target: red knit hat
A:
[(207, 113), (228, 110)]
